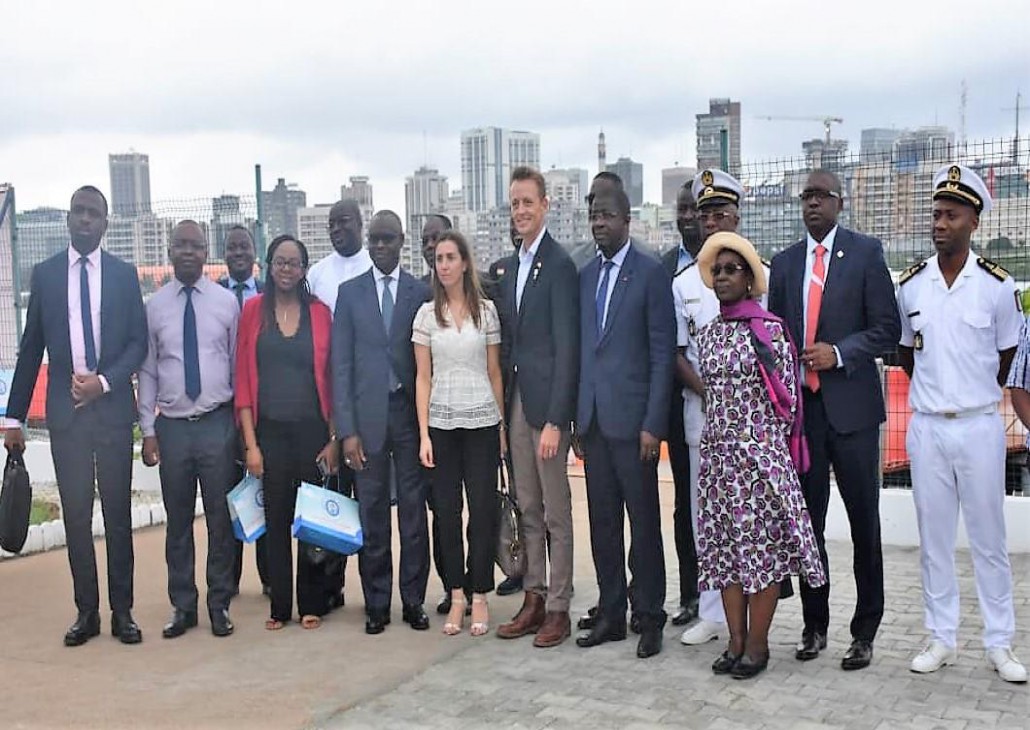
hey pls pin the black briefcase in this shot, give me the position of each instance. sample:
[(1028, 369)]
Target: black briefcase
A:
[(15, 504)]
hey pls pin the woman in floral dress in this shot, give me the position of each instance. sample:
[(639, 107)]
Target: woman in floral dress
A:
[(754, 530)]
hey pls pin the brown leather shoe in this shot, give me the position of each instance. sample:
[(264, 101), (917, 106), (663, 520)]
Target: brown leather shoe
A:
[(527, 621), (557, 627)]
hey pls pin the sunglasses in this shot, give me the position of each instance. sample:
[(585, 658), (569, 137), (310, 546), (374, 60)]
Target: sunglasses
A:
[(730, 269)]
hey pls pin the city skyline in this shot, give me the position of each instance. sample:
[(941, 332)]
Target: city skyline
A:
[(307, 118)]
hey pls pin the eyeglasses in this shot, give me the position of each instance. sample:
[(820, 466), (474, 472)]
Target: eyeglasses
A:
[(284, 264), (716, 217), (820, 196), (730, 269)]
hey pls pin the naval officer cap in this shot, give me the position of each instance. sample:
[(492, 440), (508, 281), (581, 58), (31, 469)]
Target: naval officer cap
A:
[(959, 183), (715, 187)]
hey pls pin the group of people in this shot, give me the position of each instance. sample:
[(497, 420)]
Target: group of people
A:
[(409, 392)]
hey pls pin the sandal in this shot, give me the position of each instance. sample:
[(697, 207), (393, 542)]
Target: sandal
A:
[(479, 628), (311, 621), (273, 624), (457, 610)]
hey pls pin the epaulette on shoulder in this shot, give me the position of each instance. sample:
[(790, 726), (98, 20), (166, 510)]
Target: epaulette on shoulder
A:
[(910, 272), (684, 268), (998, 272)]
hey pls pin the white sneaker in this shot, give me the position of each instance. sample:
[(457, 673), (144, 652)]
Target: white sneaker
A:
[(701, 633), (1004, 662), (933, 657)]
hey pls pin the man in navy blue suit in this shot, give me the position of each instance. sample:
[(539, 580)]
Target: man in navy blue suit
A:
[(627, 350), (86, 311), (374, 409), (835, 293)]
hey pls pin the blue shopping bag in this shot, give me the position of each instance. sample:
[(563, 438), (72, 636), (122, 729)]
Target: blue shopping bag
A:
[(247, 509), (327, 519)]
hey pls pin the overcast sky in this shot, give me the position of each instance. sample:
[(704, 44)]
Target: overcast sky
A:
[(319, 91)]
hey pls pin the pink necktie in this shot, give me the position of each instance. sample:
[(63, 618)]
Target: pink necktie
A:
[(815, 300)]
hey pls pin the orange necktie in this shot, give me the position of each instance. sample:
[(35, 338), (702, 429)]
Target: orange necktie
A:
[(815, 300)]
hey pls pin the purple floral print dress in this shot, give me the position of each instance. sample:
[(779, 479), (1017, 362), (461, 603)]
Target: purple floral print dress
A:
[(753, 526)]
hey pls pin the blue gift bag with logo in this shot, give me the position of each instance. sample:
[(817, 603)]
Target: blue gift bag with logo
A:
[(247, 509), (327, 519)]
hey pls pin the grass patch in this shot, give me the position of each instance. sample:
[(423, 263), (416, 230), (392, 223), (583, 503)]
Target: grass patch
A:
[(43, 511)]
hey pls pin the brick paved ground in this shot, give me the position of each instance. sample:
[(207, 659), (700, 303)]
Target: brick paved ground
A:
[(510, 684)]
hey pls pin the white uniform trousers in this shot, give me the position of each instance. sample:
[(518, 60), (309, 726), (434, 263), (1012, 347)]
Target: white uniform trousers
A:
[(961, 462), (709, 603)]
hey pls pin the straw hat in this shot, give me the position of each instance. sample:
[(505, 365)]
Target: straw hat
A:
[(724, 240)]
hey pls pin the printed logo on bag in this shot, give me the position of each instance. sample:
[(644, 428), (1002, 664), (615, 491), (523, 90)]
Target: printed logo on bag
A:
[(259, 498), (332, 507)]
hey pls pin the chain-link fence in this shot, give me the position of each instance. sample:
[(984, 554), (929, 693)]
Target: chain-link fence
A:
[(887, 188)]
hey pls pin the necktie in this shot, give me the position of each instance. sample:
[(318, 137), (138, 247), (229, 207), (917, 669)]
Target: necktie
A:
[(602, 297), (190, 351), (815, 300), (240, 287), (87, 316), (387, 308)]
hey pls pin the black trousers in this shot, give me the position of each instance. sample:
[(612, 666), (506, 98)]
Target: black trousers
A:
[(88, 456), (682, 525), (372, 487), (855, 458), (619, 482), (260, 552), (466, 457), (289, 449), (201, 451)]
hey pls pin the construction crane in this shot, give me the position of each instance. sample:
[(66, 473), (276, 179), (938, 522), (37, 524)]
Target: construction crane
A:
[(827, 122)]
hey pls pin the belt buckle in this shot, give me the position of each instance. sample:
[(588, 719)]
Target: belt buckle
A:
[(194, 418)]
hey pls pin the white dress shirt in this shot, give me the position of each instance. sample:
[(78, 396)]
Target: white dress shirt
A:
[(75, 306), (618, 259), (827, 243), (526, 256), (380, 278), (325, 277)]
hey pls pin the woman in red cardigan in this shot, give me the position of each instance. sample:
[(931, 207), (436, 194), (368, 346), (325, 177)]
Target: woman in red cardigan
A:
[(284, 404)]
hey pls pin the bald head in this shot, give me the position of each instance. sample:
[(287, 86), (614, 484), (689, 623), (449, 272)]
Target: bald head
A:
[(345, 227)]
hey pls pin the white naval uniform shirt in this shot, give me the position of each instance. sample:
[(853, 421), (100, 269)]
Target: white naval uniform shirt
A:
[(696, 306), (956, 335)]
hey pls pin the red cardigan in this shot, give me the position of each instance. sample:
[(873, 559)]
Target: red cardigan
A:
[(246, 356)]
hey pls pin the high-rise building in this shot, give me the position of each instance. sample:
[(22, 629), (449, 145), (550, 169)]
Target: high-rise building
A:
[(425, 193), (143, 239), (567, 217), (488, 155), (360, 190), (878, 144), (632, 174), (602, 153), (130, 183), (225, 213), (674, 178), (826, 156), (313, 230), (723, 114), (280, 208)]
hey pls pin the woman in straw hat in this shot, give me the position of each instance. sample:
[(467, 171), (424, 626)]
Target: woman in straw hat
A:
[(753, 527)]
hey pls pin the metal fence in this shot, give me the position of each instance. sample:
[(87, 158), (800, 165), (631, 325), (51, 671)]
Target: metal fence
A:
[(886, 194)]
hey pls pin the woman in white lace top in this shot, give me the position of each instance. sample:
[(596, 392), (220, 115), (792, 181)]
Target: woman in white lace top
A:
[(458, 396)]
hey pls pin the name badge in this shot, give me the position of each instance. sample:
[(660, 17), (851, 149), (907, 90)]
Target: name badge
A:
[(691, 327), (917, 341)]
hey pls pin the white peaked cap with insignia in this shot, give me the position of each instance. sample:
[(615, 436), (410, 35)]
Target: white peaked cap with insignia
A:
[(715, 187), (959, 183)]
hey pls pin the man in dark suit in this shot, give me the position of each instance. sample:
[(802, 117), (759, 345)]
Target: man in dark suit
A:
[(674, 261), (86, 311), (374, 410), (539, 350), (835, 293), (240, 280), (627, 335)]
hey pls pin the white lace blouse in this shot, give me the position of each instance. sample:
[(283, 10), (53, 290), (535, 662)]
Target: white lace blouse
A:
[(460, 395)]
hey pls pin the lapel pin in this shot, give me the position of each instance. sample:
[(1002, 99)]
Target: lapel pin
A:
[(536, 270), (840, 254)]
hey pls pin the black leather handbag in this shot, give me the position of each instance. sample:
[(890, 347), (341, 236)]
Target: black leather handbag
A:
[(511, 550), (15, 504)]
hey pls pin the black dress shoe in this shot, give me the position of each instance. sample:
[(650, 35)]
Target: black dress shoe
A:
[(125, 628), (725, 663), (812, 642), (377, 622), (604, 630), (685, 615), (858, 655), (86, 626), (179, 623), (509, 586), (221, 624), (588, 620), (650, 643), (415, 616), (746, 667), (443, 607)]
